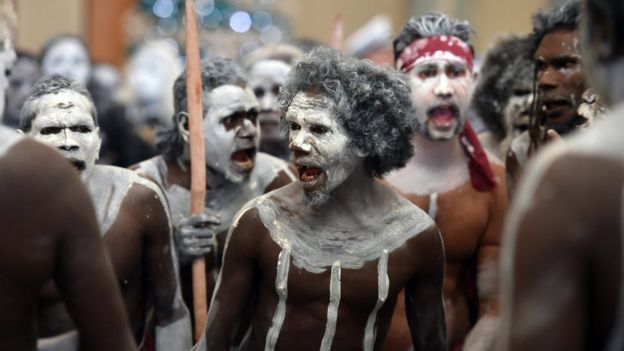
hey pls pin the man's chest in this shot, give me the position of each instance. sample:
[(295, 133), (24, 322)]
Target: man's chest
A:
[(462, 216)]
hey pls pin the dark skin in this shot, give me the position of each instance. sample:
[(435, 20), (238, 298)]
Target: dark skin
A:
[(139, 247), (471, 224), (565, 253), (176, 175), (249, 268), (51, 234), (561, 83)]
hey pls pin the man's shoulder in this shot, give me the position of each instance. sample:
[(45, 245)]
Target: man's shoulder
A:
[(269, 167), (150, 168), (123, 179)]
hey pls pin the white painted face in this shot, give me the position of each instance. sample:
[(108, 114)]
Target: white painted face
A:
[(69, 59), (150, 75), (265, 78), (441, 92), (517, 112), (230, 131), (322, 148), (7, 59), (64, 121)]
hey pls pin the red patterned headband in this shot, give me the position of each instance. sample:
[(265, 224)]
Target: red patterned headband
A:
[(439, 46)]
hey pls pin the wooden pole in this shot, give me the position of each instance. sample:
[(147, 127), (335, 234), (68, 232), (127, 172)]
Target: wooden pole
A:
[(337, 33), (198, 159)]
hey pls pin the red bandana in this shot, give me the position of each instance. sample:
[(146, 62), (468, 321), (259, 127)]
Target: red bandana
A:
[(434, 47), (482, 177)]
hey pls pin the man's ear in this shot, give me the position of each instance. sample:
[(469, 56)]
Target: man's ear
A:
[(182, 125)]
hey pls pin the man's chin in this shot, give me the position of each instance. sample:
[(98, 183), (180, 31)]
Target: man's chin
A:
[(442, 134)]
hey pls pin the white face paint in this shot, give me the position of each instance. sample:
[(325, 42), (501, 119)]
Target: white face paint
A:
[(322, 149), (516, 113), (64, 121), (7, 59), (69, 59), (151, 75), (265, 79), (231, 131), (441, 92)]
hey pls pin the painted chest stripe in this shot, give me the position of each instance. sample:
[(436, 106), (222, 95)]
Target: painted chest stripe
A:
[(432, 211), (383, 284), (332, 309), (281, 287)]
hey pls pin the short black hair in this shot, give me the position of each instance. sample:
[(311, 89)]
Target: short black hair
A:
[(431, 25), (215, 72), (566, 17), (372, 102), (48, 85), (506, 66)]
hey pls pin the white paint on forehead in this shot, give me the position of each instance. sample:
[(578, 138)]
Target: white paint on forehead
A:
[(108, 187), (272, 71), (57, 106), (228, 99), (307, 107), (8, 138)]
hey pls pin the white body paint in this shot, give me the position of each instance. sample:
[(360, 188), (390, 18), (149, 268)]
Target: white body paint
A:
[(603, 140), (520, 147), (69, 59), (64, 122), (226, 199), (7, 59), (316, 246)]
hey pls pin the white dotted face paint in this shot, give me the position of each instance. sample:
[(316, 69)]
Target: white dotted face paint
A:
[(69, 59), (441, 93), (64, 121), (231, 131), (322, 149), (265, 78)]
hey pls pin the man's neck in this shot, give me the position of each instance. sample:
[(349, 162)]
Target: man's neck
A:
[(437, 155), (214, 178)]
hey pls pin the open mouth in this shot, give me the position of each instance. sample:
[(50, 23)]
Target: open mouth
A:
[(443, 116), (554, 105), (310, 176), (244, 159), (79, 165)]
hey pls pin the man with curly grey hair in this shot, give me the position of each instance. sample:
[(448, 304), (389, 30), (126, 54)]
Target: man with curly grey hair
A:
[(451, 177), (235, 171), (327, 256)]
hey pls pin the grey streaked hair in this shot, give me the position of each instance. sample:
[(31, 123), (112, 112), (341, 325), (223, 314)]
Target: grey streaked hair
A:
[(47, 85), (372, 103), (430, 25), (565, 17)]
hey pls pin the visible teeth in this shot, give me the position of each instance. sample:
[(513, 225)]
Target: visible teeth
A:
[(308, 178)]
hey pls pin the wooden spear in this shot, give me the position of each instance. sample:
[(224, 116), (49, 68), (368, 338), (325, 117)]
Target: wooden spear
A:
[(198, 159)]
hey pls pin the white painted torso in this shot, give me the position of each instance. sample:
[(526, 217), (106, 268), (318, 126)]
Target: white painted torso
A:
[(520, 147), (108, 187), (224, 201), (8, 138)]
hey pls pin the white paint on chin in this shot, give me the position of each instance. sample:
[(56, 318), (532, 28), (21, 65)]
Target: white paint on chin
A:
[(65, 109), (221, 143), (331, 151)]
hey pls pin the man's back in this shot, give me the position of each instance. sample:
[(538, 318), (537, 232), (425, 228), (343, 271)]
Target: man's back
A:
[(563, 246), (49, 231)]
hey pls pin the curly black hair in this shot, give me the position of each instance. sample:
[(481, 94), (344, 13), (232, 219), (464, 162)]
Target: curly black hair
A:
[(429, 25), (215, 72), (47, 85), (372, 102), (508, 65), (566, 17)]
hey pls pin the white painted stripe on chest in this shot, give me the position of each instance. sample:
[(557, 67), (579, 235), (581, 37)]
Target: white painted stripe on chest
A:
[(281, 287), (432, 211), (383, 285), (332, 308)]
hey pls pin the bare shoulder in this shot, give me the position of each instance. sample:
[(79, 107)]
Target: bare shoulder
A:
[(273, 172)]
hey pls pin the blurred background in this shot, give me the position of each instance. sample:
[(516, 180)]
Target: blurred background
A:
[(112, 28)]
